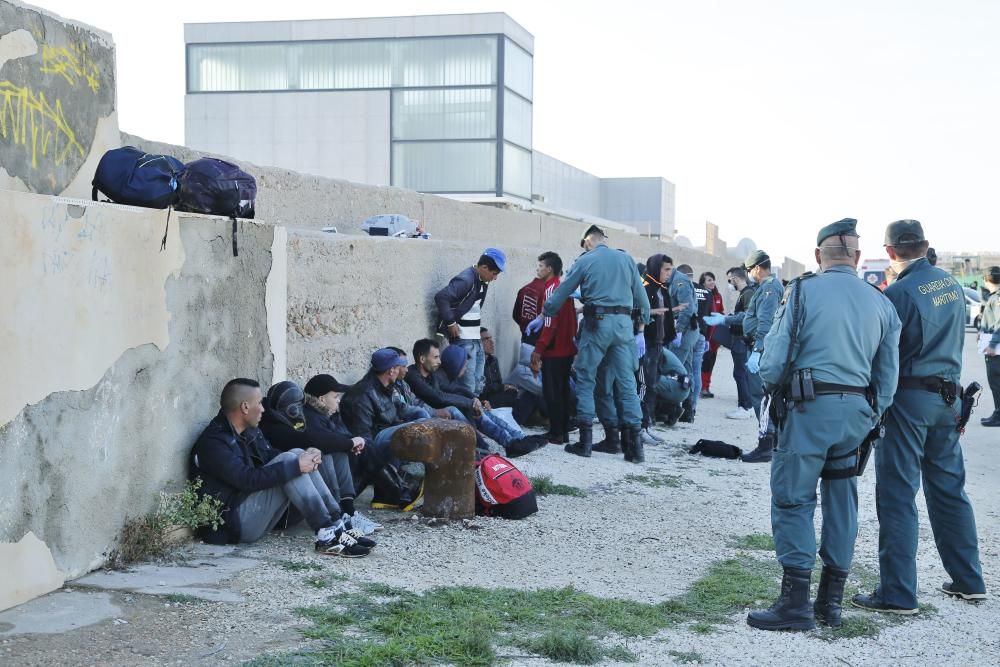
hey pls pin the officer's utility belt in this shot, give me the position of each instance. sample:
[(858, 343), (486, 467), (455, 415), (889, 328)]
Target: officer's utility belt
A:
[(597, 311), (800, 389), (949, 391)]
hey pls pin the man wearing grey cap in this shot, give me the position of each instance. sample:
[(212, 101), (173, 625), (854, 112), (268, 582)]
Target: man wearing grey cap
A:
[(611, 291), (921, 438), (756, 322), (830, 365), (989, 340)]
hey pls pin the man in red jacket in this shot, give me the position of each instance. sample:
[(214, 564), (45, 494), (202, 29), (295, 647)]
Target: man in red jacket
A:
[(555, 350), (528, 306)]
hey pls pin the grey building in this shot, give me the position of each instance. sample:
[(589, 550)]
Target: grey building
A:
[(438, 104)]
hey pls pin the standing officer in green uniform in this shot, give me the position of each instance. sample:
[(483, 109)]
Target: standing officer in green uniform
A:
[(610, 289), (834, 347), (989, 341), (921, 434), (756, 322)]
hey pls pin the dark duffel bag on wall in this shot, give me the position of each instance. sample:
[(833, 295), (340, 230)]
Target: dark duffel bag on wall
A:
[(129, 176), (216, 187)]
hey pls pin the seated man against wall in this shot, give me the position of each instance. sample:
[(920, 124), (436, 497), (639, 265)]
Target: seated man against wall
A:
[(285, 426), (405, 396), (370, 412), (496, 392), (256, 483), (527, 378)]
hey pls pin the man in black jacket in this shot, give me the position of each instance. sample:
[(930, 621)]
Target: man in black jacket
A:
[(256, 483)]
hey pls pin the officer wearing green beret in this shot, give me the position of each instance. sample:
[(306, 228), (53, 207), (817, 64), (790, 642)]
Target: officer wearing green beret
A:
[(611, 290), (756, 322), (834, 347), (921, 434)]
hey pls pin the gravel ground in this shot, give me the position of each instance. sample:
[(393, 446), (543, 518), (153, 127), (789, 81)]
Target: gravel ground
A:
[(625, 539)]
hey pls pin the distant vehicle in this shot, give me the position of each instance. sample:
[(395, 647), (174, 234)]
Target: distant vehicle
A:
[(973, 308), (873, 270)]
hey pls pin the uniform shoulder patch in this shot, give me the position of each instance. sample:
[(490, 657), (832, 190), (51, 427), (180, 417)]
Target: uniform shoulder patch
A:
[(793, 282)]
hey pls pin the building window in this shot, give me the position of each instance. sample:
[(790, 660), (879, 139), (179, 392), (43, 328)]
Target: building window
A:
[(517, 71), (458, 113), (516, 119), (455, 166), (516, 171), (343, 64)]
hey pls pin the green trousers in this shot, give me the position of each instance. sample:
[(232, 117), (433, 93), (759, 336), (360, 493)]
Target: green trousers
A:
[(921, 442), (607, 350), (815, 438)]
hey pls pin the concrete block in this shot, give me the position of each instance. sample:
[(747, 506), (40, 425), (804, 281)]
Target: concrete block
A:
[(29, 571)]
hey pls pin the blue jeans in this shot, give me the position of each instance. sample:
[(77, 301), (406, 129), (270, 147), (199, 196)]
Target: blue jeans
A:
[(740, 375), (474, 377), (696, 356), (498, 429)]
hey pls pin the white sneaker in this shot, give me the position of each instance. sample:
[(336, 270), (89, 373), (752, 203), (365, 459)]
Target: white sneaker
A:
[(363, 523), (649, 438), (741, 413)]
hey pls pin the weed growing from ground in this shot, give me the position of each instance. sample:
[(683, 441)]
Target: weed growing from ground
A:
[(686, 656), (658, 480), (299, 565), (544, 486), (756, 542), (180, 597)]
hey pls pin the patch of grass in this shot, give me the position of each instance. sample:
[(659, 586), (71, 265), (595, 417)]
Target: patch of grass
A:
[(730, 586), (862, 624), (686, 656), (300, 565), (756, 542), (621, 654), (658, 480), (569, 646), (544, 486), (180, 598), (317, 582), (702, 628)]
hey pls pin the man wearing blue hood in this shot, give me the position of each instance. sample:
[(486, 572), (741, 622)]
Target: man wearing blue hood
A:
[(459, 307)]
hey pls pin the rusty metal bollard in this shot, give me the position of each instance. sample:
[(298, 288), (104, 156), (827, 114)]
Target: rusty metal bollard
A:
[(447, 448)]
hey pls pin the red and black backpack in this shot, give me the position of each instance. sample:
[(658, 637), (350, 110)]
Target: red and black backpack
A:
[(503, 490)]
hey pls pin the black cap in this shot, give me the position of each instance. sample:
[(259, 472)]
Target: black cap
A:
[(845, 227), (895, 232), (323, 384), (593, 229), (993, 275)]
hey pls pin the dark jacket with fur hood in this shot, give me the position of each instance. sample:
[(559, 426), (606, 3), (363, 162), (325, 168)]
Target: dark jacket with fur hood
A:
[(650, 283), (330, 428)]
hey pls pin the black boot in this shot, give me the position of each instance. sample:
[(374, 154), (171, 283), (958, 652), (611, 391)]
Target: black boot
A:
[(992, 420), (830, 596), (762, 454), (791, 610), (634, 453), (586, 443), (611, 444), (687, 416)]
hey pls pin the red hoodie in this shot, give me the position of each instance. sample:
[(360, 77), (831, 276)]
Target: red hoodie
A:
[(556, 338), (528, 306)]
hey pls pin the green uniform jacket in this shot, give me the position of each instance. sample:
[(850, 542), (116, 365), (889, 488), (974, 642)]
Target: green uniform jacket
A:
[(848, 334), (760, 313), (990, 322), (682, 291), (931, 306), (605, 277)]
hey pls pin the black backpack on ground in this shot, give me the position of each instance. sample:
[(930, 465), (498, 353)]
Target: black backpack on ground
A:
[(217, 187), (716, 449)]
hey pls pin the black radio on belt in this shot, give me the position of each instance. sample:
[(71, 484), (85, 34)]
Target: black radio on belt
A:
[(802, 388)]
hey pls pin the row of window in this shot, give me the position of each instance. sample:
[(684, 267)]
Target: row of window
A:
[(459, 113), (348, 64), (467, 166)]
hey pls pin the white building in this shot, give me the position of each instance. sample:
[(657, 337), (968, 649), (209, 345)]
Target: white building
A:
[(438, 104)]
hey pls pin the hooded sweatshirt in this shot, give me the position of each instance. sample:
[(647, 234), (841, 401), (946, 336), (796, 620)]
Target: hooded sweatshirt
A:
[(558, 333), (661, 328)]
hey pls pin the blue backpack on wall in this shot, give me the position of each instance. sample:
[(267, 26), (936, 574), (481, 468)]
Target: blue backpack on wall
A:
[(216, 187), (129, 176)]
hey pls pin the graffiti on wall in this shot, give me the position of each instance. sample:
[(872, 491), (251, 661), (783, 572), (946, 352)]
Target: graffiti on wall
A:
[(56, 84)]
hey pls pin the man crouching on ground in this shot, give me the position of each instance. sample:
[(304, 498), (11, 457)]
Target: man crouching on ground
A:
[(256, 483)]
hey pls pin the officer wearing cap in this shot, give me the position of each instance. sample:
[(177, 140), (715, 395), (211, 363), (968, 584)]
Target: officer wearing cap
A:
[(756, 322), (843, 334), (921, 434), (989, 341), (611, 290)]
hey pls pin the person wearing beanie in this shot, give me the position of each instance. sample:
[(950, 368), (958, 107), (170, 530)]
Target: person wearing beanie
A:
[(371, 413), (257, 484), (459, 305)]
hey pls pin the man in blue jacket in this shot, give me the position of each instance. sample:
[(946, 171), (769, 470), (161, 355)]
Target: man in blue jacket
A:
[(256, 483), (460, 306)]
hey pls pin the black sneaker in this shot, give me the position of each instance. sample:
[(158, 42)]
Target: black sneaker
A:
[(707, 394), (359, 536), (343, 545), (869, 602), (948, 588)]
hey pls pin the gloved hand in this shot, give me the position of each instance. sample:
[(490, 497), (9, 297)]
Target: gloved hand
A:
[(715, 319), (753, 363), (534, 326), (676, 342), (640, 342)]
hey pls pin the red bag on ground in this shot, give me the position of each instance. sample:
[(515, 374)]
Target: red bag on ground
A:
[(503, 490)]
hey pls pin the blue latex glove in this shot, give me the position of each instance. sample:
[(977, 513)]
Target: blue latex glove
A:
[(640, 342), (576, 295), (715, 319), (753, 363), (534, 326), (676, 342)]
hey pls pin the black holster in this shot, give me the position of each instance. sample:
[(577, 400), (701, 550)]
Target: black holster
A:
[(969, 399)]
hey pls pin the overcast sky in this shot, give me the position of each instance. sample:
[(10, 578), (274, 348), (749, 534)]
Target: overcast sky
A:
[(772, 117)]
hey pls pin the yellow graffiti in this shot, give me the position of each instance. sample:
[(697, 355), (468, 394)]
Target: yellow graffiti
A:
[(72, 64), (28, 119)]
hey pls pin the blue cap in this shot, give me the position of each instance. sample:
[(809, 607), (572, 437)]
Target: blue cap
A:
[(452, 359), (496, 254), (384, 359)]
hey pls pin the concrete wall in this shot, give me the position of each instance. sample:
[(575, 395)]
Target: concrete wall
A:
[(57, 101), (336, 134), (114, 355)]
